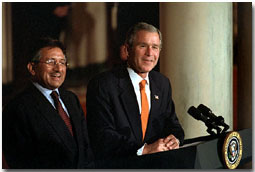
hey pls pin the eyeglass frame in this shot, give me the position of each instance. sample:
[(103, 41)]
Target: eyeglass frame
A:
[(53, 64)]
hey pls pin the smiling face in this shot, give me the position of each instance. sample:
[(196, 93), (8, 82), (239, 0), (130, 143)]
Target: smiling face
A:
[(49, 76), (144, 53)]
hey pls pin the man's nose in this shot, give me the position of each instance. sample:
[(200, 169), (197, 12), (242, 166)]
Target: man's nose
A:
[(149, 51), (57, 66)]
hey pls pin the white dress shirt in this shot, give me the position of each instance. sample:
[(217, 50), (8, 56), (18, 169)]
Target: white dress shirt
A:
[(136, 79)]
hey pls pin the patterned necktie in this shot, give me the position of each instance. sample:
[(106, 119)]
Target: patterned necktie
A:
[(61, 111), (145, 107)]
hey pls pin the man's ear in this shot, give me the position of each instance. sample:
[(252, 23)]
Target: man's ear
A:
[(127, 49), (123, 52), (31, 68)]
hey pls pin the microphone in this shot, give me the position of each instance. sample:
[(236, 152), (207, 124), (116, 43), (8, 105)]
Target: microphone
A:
[(219, 120), (206, 111), (195, 113)]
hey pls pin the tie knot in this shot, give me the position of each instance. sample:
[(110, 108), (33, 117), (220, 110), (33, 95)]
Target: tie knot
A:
[(54, 94), (142, 84)]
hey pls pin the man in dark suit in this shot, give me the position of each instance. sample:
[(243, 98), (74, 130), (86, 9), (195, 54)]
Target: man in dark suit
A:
[(121, 122), (42, 131)]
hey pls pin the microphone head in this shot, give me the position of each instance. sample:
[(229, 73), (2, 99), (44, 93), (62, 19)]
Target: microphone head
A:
[(204, 109), (195, 113)]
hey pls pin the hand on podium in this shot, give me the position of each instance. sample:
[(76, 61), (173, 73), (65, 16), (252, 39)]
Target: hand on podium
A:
[(168, 143)]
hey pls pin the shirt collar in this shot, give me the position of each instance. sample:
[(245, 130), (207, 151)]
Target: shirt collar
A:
[(136, 79), (46, 92)]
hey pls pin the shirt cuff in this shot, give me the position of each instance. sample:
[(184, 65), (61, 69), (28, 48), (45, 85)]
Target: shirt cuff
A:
[(178, 141), (140, 151)]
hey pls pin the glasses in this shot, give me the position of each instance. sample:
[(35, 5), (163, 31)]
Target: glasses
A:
[(52, 63)]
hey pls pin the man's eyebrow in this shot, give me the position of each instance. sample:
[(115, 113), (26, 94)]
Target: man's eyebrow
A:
[(156, 45), (53, 57)]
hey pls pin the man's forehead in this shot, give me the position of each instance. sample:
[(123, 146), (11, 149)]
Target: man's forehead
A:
[(52, 53), (140, 34)]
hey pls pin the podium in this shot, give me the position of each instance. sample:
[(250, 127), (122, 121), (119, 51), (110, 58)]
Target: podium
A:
[(198, 153)]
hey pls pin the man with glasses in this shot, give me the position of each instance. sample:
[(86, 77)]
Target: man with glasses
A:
[(44, 126)]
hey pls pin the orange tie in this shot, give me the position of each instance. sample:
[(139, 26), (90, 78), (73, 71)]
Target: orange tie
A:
[(145, 107)]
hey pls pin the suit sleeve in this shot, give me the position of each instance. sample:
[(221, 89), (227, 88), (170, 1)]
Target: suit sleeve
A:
[(17, 141), (106, 138)]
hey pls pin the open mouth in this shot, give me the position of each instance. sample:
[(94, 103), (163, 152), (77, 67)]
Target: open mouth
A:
[(56, 75), (148, 61)]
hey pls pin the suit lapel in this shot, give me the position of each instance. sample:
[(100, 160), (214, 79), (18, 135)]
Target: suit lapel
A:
[(74, 115), (53, 118), (155, 103), (129, 102)]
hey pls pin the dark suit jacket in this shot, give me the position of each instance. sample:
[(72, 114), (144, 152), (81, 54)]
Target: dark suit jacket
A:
[(113, 117), (35, 136)]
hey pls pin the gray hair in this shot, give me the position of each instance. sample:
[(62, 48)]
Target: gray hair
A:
[(138, 27)]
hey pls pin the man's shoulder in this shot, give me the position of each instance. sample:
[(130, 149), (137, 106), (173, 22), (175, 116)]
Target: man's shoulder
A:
[(110, 75), (67, 93), (21, 99), (157, 76), (27, 93)]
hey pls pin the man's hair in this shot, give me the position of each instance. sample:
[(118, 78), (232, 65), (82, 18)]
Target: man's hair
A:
[(42, 43), (138, 27)]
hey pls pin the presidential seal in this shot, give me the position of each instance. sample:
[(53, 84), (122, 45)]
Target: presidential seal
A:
[(232, 150)]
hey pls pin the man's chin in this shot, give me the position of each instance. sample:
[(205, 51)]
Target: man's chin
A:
[(146, 70), (54, 86)]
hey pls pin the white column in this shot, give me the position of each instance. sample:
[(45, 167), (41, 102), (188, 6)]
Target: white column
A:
[(197, 58)]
